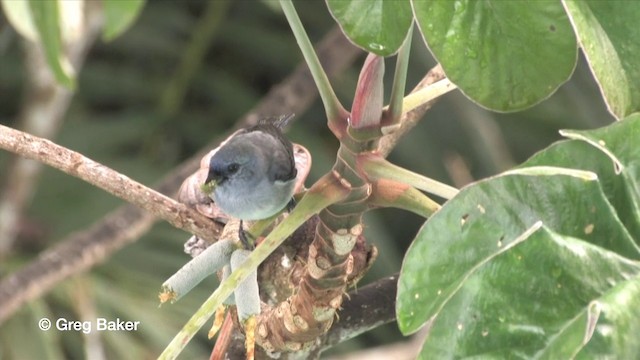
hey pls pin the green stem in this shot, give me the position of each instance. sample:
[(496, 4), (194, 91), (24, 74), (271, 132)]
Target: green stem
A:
[(332, 105), (192, 273), (400, 80), (429, 93), (323, 193), (394, 194), (378, 168)]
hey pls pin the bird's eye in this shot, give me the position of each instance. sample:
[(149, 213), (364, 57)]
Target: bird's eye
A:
[(232, 168)]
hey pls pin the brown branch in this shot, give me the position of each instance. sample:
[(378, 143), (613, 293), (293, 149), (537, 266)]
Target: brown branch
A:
[(124, 225), (364, 309), (75, 164)]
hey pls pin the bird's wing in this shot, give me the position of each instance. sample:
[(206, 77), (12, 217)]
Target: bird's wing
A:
[(284, 166)]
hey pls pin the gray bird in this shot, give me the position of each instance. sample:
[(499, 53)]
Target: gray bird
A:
[(253, 174)]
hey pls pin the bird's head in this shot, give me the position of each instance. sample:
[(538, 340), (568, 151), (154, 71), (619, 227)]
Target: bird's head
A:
[(236, 162)]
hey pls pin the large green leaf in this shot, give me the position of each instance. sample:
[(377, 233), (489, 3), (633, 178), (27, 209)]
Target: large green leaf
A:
[(534, 262), (580, 155), (484, 219), (608, 32), (378, 26), (619, 309), (541, 299), (617, 164), (620, 142), (119, 16), (505, 55)]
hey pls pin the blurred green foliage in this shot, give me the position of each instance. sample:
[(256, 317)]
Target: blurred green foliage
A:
[(116, 119)]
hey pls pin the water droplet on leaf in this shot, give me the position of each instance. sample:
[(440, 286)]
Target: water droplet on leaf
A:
[(375, 46)]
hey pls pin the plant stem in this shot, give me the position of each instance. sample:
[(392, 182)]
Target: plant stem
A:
[(378, 168), (427, 94), (192, 273), (332, 105), (399, 81), (389, 193), (322, 194)]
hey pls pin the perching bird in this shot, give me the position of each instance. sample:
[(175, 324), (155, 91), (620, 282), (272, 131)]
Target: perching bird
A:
[(253, 174)]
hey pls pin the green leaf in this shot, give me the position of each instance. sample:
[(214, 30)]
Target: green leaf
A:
[(580, 155), (484, 220), (610, 152), (540, 261), (620, 310), (608, 34), (541, 299), (119, 16), (46, 17), (377, 26), (620, 143), (504, 55)]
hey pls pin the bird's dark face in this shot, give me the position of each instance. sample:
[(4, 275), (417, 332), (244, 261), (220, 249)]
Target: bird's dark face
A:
[(229, 162), (220, 173)]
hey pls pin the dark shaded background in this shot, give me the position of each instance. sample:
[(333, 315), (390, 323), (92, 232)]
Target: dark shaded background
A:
[(117, 118)]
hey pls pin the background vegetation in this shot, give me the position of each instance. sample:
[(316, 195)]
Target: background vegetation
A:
[(122, 116)]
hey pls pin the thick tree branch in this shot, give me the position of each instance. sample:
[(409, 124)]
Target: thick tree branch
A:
[(124, 225), (364, 309)]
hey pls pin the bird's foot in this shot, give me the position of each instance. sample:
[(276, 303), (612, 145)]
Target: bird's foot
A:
[(244, 238), (291, 204)]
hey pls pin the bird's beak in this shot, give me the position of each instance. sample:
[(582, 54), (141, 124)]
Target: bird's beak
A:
[(209, 185), (210, 178)]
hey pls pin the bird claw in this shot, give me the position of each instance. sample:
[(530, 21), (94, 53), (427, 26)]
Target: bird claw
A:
[(291, 204), (244, 238)]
